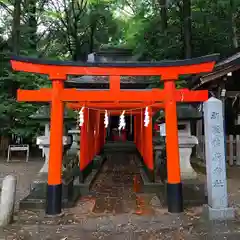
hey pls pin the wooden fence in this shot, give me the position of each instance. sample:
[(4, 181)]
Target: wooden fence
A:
[(232, 148)]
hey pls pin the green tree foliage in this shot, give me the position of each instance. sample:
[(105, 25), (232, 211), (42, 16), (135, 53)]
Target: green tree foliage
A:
[(50, 29), (211, 29)]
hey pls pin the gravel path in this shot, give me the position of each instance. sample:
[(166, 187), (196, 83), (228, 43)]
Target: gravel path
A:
[(25, 173), (86, 221)]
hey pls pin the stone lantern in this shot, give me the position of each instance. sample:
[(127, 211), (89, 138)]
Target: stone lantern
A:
[(43, 116), (37, 196), (186, 114)]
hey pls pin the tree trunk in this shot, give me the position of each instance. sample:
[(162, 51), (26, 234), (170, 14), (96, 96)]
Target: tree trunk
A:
[(15, 41), (187, 26), (163, 6), (32, 25), (233, 27), (16, 27), (91, 40), (79, 53), (15, 48)]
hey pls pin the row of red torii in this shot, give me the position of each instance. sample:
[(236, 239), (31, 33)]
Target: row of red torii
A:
[(114, 100)]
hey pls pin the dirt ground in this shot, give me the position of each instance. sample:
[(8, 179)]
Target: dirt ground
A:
[(144, 217), (24, 172)]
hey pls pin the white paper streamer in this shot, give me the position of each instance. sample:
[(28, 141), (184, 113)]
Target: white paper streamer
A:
[(106, 121), (122, 123), (146, 118), (81, 117)]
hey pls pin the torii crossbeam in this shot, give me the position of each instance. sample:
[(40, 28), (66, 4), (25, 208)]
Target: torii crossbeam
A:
[(169, 71)]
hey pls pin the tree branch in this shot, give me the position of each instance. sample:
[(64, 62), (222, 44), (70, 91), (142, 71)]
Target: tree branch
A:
[(68, 27), (41, 9), (6, 8), (57, 9)]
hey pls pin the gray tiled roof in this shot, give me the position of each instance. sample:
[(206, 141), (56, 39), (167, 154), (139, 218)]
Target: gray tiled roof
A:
[(43, 114)]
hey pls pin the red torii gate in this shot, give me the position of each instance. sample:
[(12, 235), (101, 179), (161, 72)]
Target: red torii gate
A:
[(116, 108), (169, 72)]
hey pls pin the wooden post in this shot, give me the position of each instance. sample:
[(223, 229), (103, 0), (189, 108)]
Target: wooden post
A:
[(54, 189), (98, 148), (139, 133), (84, 153), (90, 135), (148, 148), (174, 186), (105, 135), (102, 131), (142, 136), (82, 147), (87, 125), (135, 129)]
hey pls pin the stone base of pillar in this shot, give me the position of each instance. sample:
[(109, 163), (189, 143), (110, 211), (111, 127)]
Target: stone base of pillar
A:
[(36, 199), (219, 214), (194, 192)]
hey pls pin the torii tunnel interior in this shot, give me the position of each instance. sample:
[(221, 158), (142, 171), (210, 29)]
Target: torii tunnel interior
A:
[(114, 100)]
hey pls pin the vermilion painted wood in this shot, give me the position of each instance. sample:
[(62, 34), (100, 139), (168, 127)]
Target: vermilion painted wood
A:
[(90, 135), (84, 153), (73, 95), (56, 149), (97, 124), (142, 134), (173, 161), (147, 145), (102, 131), (135, 130), (114, 106), (127, 113)]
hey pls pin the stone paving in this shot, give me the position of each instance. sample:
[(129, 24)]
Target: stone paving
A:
[(115, 188), (115, 209)]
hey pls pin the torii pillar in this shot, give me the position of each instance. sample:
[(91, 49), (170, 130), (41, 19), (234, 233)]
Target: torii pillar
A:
[(54, 188), (174, 184)]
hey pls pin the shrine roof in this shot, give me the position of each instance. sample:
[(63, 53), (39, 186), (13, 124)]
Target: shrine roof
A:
[(105, 79), (106, 54), (43, 114), (221, 69), (126, 81), (113, 57), (120, 64)]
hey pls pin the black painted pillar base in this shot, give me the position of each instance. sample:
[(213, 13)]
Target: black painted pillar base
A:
[(54, 199), (174, 197)]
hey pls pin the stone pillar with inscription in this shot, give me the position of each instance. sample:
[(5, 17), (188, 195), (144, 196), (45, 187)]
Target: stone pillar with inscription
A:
[(216, 162)]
